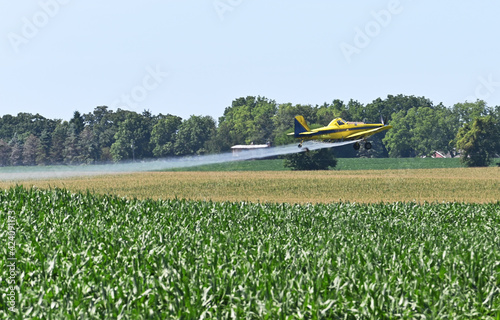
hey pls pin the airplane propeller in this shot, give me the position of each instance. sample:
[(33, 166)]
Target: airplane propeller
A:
[(382, 120)]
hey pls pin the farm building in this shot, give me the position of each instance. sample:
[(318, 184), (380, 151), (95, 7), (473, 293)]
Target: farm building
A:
[(254, 148)]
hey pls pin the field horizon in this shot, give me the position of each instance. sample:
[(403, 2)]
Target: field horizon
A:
[(470, 185)]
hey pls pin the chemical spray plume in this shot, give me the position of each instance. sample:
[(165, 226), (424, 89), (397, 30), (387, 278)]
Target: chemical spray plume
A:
[(54, 172)]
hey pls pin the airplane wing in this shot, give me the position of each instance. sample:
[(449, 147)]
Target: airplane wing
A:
[(368, 133)]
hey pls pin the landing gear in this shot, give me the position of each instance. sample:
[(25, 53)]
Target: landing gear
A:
[(300, 145), (357, 145)]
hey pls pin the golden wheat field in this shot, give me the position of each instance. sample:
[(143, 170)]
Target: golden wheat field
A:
[(472, 185)]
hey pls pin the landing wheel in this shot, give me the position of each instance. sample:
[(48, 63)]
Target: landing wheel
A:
[(300, 145), (368, 145), (356, 146)]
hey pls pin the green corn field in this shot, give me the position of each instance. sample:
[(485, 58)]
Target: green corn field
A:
[(85, 256)]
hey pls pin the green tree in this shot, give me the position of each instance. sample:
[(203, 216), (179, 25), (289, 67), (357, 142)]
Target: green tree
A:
[(194, 134), (29, 150), (23, 125), (468, 111), (132, 138), (355, 111), (71, 150), (77, 122), (104, 125), (393, 104), (7, 127), (87, 146), (283, 121), (496, 113), (164, 134), (387, 108), (434, 130), (247, 120), (326, 113), (5, 152), (43, 151), (321, 159), (59, 137), (479, 141), (261, 128), (420, 131), (16, 156), (398, 140)]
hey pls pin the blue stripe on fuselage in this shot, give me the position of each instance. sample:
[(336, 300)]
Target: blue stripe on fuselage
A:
[(340, 130)]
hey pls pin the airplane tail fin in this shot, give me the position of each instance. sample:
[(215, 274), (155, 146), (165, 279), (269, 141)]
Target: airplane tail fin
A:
[(300, 126)]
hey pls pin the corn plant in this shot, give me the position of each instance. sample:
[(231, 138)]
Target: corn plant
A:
[(85, 256)]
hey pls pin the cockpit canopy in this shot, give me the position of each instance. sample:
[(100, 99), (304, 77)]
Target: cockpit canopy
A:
[(337, 122)]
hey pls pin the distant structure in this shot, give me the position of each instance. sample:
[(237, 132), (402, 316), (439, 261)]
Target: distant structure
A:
[(441, 154), (253, 148)]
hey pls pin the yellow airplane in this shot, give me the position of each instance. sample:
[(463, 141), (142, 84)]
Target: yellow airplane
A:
[(338, 129)]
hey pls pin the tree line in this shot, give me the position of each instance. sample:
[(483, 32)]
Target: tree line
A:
[(104, 135)]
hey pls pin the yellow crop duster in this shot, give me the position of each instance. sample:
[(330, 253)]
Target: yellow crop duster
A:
[(338, 130)]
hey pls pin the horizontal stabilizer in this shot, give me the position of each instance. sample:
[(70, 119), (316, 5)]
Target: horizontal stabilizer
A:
[(302, 134)]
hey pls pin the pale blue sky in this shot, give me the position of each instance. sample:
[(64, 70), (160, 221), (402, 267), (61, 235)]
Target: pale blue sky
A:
[(195, 57)]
